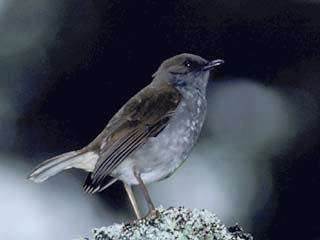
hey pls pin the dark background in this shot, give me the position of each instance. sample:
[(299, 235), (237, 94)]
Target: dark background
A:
[(92, 56)]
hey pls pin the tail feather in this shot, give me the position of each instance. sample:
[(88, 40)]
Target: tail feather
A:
[(52, 166)]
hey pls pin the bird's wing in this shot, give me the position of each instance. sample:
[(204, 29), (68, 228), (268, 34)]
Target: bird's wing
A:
[(144, 116)]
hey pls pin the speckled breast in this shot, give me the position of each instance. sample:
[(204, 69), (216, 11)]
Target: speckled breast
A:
[(162, 155)]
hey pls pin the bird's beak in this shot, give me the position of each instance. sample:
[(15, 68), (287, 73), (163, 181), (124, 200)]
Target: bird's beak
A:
[(210, 65)]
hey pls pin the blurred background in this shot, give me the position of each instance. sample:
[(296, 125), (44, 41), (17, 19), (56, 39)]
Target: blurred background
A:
[(67, 66)]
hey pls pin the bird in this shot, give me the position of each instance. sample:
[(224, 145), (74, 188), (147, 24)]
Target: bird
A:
[(151, 135)]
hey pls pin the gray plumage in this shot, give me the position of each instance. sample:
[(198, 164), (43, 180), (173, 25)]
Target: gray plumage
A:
[(151, 135)]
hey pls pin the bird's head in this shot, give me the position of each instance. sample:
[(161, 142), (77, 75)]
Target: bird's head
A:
[(186, 70)]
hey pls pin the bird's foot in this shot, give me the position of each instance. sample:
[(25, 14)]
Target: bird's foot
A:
[(152, 215)]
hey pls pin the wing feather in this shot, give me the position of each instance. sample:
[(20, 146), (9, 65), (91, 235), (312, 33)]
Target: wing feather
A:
[(115, 157), (144, 116)]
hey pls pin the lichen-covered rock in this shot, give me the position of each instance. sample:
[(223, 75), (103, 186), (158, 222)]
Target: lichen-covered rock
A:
[(173, 223)]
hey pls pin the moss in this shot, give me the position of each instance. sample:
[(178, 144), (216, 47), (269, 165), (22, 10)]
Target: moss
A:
[(173, 223)]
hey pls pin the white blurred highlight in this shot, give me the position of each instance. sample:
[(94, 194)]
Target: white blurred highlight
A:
[(56, 209), (250, 117)]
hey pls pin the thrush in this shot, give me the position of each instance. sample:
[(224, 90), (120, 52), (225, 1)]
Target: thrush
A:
[(150, 137)]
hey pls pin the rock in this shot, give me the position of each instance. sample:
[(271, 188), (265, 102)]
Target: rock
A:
[(173, 223)]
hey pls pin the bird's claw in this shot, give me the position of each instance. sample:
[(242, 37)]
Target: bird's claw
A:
[(152, 215)]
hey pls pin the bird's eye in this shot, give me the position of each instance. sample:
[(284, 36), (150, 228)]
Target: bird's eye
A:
[(188, 64)]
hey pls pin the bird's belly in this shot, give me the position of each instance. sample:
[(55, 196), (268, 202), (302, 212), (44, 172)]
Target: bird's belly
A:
[(163, 154)]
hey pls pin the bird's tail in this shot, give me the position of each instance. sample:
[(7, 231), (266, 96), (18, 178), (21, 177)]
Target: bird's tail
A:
[(78, 159)]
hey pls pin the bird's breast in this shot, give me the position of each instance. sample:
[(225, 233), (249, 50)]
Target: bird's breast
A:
[(163, 154)]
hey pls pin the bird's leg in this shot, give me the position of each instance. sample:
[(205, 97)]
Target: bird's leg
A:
[(145, 194), (133, 200)]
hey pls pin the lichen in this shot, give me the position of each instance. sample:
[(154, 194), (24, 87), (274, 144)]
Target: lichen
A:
[(173, 223)]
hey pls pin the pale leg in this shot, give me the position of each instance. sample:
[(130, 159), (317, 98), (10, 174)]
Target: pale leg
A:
[(133, 200), (145, 193)]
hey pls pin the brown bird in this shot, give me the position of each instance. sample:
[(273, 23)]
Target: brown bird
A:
[(149, 137)]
